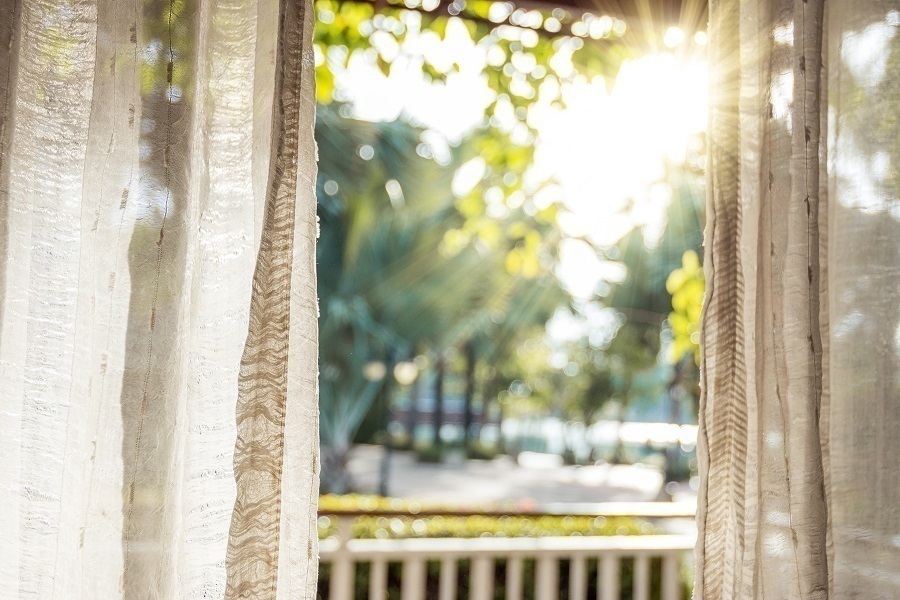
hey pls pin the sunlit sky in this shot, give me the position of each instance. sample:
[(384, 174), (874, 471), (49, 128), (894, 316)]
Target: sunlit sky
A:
[(606, 148)]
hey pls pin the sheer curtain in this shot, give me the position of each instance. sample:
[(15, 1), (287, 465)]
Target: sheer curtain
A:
[(800, 413), (157, 299)]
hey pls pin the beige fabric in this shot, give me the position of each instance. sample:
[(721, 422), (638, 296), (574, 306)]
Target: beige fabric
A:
[(156, 205), (799, 449)]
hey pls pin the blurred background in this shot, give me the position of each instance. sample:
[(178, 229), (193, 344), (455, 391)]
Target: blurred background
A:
[(511, 213)]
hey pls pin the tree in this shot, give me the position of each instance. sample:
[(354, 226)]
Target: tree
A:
[(642, 297), (365, 234), (405, 260), (386, 283)]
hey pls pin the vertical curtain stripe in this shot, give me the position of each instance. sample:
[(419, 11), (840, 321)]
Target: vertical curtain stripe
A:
[(254, 544), (723, 413)]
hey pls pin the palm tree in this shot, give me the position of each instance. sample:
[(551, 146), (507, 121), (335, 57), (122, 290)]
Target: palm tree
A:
[(384, 285), (368, 235), (517, 307)]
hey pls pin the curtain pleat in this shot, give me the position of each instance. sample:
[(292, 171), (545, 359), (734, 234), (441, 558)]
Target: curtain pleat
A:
[(157, 299), (266, 395), (802, 240)]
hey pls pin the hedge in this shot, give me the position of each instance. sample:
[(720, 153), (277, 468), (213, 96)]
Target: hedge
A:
[(414, 526)]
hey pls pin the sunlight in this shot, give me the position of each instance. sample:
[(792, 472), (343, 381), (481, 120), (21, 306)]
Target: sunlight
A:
[(607, 149)]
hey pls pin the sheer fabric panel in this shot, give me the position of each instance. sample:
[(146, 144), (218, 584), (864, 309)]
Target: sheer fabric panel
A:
[(156, 159), (800, 408)]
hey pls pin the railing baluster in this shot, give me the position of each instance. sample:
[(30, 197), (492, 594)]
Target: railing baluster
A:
[(641, 577), (670, 580), (447, 588), (546, 578), (514, 578), (482, 586), (378, 580), (342, 553), (342, 576), (608, 575), (578, 578), (342, 567), (412, 586)]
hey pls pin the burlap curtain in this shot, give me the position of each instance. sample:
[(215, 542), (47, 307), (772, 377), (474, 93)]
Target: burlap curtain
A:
[(800, 413), (157, 299)]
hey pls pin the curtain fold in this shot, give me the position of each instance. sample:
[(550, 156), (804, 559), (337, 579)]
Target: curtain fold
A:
[(798, 449), (157, 299)]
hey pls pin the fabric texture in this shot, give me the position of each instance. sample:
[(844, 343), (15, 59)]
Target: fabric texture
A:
[(158, 316), (799, 453)]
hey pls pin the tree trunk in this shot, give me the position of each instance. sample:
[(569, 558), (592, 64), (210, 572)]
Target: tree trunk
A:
[(335, 478), (489, 393), (675, 393), (470, 393), (438, 415), (412, 413), (618, 456)]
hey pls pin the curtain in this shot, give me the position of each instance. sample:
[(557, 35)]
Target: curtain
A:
[(158, 341), (799, 446)]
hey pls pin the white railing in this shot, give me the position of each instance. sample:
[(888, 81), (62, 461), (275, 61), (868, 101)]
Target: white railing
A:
[(343, 553)]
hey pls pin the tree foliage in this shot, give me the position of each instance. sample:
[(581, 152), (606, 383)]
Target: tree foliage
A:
[(410, 261), (686, 285), (526, 56), (642, 298), (387, 286)]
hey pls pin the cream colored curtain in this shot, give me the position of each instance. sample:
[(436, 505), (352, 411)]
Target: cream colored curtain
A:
[(800, 414), (157, 299)]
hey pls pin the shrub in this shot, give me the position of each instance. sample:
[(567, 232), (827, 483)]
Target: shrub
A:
[(413, 526), (430, 454), (479, 451)]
